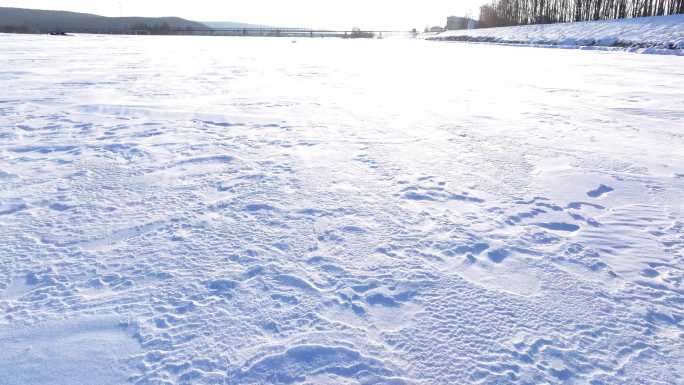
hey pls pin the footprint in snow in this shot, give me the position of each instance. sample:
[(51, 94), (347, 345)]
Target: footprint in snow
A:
[(600, 191), (559, 226), (12, 208)]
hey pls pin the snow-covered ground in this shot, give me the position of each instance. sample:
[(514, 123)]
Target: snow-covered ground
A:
[(660, 34), (190, 210)]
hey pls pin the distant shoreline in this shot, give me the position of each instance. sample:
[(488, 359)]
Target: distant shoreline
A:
[(33, 21)]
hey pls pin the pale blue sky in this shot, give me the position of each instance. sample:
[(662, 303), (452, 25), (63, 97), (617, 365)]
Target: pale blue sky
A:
[(304, 13)]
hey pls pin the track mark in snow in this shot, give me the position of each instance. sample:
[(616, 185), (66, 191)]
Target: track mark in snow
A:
[(7, 209), (295, 282), (105, 284), (44, 149), (500, 273), (520, 217), (559, 226), (222, 287), (6, 175), (298, 363), (129, 152), (600, 191), (498, 255), (476, 248), (580, 205), (109, 239), (206, 159), (354, 230), (58, 206), (219, 124), (256, 207), (15, 290), (435, 192), (124, 234)]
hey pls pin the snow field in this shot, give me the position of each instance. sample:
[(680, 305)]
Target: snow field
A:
[(184, 210)]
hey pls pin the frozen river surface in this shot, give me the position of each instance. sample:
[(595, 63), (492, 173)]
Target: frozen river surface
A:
[(186, 210)]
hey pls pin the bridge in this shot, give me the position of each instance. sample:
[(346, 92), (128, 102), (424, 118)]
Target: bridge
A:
[(292, 32)]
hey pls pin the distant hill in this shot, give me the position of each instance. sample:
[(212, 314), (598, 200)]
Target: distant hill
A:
[(42, 21)]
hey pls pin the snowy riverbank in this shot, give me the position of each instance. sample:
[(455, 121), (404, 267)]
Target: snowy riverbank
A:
[(661, 34)]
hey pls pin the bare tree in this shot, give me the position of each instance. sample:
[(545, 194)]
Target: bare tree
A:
[(501, 13)]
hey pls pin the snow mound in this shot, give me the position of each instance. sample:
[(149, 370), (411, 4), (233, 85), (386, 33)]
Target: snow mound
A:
[(658, 34)]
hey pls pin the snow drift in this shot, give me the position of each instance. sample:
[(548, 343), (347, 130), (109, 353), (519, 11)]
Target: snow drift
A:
[(659, 34)]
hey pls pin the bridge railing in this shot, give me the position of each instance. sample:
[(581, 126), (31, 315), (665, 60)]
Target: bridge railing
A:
[(294, 32), (263, 32)]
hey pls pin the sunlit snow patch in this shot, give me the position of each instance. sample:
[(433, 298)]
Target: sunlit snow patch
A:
[(85, 351)]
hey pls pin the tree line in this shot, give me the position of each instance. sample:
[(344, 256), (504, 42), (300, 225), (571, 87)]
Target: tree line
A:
[(15, 29), (502, 13)]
